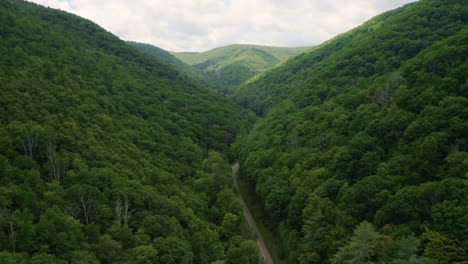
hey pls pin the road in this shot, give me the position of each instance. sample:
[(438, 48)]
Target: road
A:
[(250, 220)]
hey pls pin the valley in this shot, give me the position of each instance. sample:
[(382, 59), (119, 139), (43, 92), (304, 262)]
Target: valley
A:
[(250, 220), (352, 151)]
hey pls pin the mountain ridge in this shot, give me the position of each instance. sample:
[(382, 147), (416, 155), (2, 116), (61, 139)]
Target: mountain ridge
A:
[(280, 52), (231, 65), (191, 72), (108, 155), (359, 134)]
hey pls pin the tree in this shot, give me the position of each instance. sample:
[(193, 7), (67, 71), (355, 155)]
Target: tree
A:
[(58, 233), (244, 253), (230, 225), (122, 210), (54, 164), (441, 249), (387, 93), (277, 200), (107, 250), (7, 217), (25, 231), (364, 247), (143, 255), (324, 228), (207, 246), (226, 202), (86, 199), (161, 226), (173, 250)]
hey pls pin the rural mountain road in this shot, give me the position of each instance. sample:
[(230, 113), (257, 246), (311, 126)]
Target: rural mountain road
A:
[(251, 222)]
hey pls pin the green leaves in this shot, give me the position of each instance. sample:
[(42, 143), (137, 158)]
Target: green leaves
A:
[(107, 155), (365, 127), (441, 249), (173, 250), (363, 247), (244, 252), (368, 246)]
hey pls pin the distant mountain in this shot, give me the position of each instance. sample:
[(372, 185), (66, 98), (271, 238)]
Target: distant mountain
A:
[(232, 65), (191, 72), (362, 152)]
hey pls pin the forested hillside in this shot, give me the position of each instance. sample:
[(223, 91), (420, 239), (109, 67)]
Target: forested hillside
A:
[(192, 73), (361, 152), (232, 65), (106, 154), (115, 152)]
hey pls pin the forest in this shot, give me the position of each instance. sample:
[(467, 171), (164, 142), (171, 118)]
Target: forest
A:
[(108, 155), (356, 150), (360, 151)]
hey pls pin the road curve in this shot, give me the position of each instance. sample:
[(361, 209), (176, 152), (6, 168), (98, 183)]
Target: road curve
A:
[(250, 220)]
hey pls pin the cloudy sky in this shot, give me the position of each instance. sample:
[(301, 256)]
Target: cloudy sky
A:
[(199, 25)]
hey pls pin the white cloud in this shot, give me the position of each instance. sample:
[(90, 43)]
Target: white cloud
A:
[(198, 25)]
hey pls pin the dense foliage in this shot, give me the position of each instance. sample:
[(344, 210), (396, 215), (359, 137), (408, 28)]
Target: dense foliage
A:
[(192, 73), (232, 65), (367, 132), (106, 154)]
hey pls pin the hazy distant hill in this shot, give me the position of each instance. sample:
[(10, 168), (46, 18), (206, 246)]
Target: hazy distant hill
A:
[(232, 65)]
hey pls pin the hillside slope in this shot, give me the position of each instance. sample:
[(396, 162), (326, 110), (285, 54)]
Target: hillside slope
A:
[(192, 73), (367, 132), (106, 154), (232, 65)]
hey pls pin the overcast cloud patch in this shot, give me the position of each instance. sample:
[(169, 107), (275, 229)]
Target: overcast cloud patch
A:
[(199, 25)]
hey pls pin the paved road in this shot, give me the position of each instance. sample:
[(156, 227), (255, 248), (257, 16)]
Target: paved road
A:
[(251, 222)]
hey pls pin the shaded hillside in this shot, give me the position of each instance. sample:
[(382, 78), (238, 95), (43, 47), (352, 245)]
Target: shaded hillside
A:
[(367, 132), (232, 65), (106, 154), (192, 73)]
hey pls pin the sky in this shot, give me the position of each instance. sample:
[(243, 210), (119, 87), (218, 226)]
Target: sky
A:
[(200, 25)]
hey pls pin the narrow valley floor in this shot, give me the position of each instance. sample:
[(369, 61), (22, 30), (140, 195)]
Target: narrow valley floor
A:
[(251, 221)]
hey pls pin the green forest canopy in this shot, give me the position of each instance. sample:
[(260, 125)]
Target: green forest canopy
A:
[(113, 152), (106, 154), (367, 132)]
